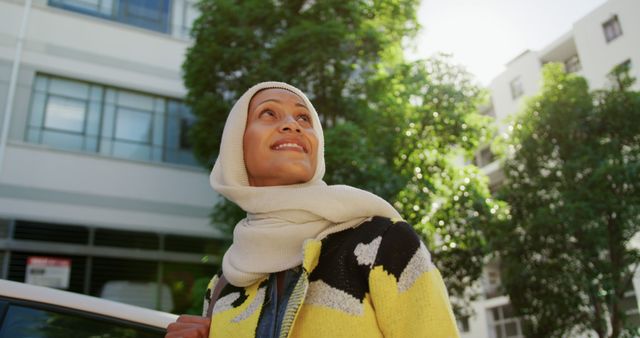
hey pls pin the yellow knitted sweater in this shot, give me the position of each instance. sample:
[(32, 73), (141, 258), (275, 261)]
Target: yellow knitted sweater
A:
[(375, 280)]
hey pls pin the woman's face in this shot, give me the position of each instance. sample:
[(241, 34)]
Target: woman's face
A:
[(280, 144)]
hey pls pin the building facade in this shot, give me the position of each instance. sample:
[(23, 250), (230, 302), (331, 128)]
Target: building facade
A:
[(97, 179), (606, 37)]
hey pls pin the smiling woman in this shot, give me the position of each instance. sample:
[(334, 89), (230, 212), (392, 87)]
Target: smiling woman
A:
[(280, 144), (309, 260)]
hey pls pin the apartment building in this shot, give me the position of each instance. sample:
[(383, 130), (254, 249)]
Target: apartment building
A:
[(606, 37), (99, 191)]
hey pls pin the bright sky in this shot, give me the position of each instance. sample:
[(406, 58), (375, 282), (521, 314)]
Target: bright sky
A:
[(484, 35)]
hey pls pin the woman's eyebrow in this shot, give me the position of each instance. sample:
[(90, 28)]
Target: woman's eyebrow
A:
[(278, 101), (267, 100)]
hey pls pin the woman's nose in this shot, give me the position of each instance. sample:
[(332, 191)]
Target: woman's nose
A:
[(289, 124)]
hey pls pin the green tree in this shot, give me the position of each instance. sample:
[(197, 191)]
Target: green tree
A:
[(572, 168), (436, 104), (325, 48), (328, 49), (391, 127)]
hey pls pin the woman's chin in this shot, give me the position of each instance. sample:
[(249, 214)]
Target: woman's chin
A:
[(283, 176)]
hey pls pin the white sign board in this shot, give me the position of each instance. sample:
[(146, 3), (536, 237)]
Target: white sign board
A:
[(48, 271)]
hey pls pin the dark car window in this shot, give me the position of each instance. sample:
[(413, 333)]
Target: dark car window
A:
[(27, 322)]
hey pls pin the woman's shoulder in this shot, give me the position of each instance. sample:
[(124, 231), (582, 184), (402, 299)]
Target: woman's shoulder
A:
[(388, 244), (378, 226), (388, 240)]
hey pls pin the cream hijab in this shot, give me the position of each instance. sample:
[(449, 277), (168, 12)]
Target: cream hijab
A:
[(280, 218)]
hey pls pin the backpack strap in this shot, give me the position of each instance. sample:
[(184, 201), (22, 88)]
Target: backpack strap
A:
[(222, 282)]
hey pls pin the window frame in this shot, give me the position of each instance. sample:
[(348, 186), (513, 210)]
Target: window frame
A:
[(121, 12), (573, 64), (483, 157), (501, 323), (612, 28), (186, 25), (99, 133), (517, 87), (177, 112), (40, 126), (85, 114), (463, 324)]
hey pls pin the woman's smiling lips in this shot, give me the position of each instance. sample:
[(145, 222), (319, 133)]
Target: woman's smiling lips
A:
[(289, 144)]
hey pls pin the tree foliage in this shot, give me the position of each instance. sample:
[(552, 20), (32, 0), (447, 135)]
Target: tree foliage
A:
[(392, 127), (325, 48), (328, 49), (572, 168), (447, 202)]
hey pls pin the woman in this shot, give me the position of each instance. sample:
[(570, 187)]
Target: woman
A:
[(310, 260)]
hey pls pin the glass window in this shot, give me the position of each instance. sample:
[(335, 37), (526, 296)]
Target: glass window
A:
[(185, 125), (38, 101), (511, 329), (191, 13), (179, 120), (133, 125), (133, 131), (22, 321), (572, 64), (185, 12), (68, 88), (497, 314), (75, 115), (65, 114), (96, 7), (516, 88), (482, 158), (62, 140), (612, 28), (59, 111), (503, 322), (134, 100), (507, 312), (463, 323), (149, 14), (144, 9)]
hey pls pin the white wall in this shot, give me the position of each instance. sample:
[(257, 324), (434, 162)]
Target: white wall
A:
[(41, 183), (527, 66), (94, 190), (40, 167), (93, 49), (597, 56)]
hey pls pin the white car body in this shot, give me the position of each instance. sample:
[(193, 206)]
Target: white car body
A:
[(91, 305)]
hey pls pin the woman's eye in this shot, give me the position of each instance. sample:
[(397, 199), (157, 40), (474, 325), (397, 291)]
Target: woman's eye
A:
[(267, 113), (304, 117)]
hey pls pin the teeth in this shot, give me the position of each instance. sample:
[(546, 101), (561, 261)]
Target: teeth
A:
[(288, 145)]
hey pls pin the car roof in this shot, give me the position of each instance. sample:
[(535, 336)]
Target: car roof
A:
[(85, 303)]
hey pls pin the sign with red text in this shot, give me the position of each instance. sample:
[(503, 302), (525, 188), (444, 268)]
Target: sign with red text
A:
[(48, 271)]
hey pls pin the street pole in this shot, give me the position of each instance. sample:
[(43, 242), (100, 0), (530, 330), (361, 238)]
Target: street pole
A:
[(8, 108)]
